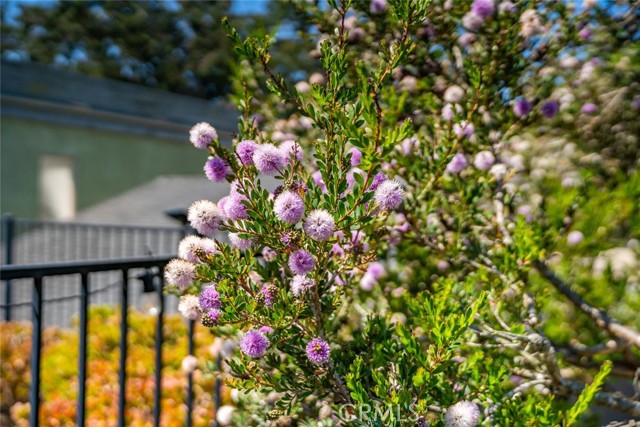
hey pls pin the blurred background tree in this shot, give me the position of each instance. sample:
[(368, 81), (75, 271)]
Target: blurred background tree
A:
[(173, 45)]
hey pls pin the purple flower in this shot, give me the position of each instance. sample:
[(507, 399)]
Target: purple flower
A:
[(521, 107), (210, 318), (370, 278), (210, 298), (317, 178), (483, 8), (530, 23), (484, 160), (464, 128), (242, 244), (301, 262), (457, 164), (208, 247), (318, 351), (300, 285), (337, 250), (189, 307), (269, 293), (298, 187), (453, 94), (245, 151), (401, 223), (389, 194), (507, 7), (472, 22), (378, 6), (356, 34), (319, 225), (462, 414), (357, 237), (187, 249), (337, 280), (290, 148), (257, 118), (269, 254), (443, 265), (409, 145), (234, 208), (448, 111), (202, 134), (589, 108), (377, 180), (368, 282), (194, 249), (216, 169), (264, 330), (254, 344), (268, 159), (351, 179), (180, 273), (525, 211), (356, 156), (549, 109), (289, 239), (289, 207), (302, 86), (574, 237), (222, 203), (205, 217), (585, 34), (376, 269), (466, 40), (234, 187)]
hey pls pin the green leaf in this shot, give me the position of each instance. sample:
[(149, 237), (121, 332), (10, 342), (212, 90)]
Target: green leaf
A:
[(587, 395)]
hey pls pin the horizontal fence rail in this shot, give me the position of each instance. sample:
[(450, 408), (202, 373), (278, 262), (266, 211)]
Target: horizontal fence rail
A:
[(28, 271), (30, 242), (152, 279)]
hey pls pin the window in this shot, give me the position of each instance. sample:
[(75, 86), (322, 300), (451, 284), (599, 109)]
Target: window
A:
[(57, 188)]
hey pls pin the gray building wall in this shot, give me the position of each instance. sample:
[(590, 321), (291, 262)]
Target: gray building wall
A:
[(116, 135)]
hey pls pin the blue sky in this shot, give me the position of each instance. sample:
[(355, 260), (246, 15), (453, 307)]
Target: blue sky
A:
[(241, 7)]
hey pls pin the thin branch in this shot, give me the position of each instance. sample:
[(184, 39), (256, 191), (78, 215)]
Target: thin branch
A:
[(611, 346), (600, 317), (516, 392), (499, 207), (630, 423)]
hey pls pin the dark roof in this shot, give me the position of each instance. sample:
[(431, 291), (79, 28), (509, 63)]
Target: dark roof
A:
[(147, 204), (47, 93)]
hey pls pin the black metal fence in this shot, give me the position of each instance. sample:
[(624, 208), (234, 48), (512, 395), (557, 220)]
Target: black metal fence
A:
[(153, 266), (26, 241), (55, 271)]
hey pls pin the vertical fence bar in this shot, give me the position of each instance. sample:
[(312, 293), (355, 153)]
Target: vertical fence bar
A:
[(36, 349), (157, 408), (190, 376), (216, 390), (8, 223), (124, 301), (82, 360)]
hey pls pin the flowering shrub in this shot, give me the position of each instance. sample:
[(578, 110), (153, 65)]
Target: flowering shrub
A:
[(401, 273), (60, 372)]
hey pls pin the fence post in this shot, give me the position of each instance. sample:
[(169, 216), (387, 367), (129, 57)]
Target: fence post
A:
[(8, 223)]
